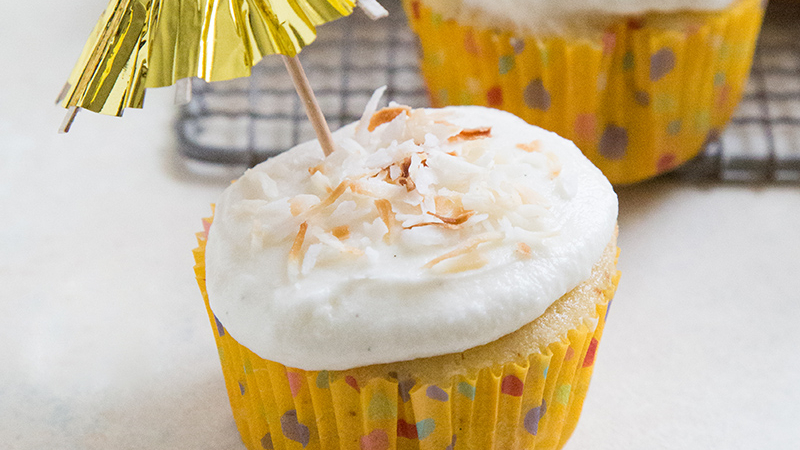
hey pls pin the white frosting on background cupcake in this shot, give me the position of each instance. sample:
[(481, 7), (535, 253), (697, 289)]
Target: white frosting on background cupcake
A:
[(439, 231), (544, 17), (567, 7)]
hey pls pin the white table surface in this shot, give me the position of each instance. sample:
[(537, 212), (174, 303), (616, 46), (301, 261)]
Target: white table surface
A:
[(104, 342)]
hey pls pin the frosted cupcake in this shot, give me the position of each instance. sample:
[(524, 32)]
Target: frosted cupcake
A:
[(441, 280), (639, 85)]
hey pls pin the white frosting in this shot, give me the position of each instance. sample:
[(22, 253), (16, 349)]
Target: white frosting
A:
[(558, 16), (524, 211), (514, 8)]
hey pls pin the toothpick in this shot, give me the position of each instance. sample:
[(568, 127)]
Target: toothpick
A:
[(310, 103), (63, 94), (72, 111), (183, 91), (373, 9)]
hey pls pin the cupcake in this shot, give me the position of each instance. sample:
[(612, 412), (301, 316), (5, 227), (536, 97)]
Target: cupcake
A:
[(440, 281), (639, 86)]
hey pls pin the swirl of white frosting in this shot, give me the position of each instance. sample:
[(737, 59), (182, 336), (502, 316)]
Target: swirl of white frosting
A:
[(544, 17), (564, 7), (438, 231)]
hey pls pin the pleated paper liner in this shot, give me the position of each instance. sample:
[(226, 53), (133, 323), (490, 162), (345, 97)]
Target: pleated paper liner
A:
[(639, 99), (534, 404)]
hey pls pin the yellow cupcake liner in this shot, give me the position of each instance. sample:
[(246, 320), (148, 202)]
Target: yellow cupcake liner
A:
[(531, 404), (639, 99)]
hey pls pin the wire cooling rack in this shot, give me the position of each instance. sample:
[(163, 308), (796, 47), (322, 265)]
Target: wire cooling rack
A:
[(247, 120), (762, 141)]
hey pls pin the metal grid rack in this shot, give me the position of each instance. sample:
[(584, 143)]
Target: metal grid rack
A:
[(762, 141), (244, 121)]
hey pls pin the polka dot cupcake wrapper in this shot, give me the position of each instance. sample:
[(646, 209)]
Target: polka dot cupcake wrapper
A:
[(639, 99), (532, 404)]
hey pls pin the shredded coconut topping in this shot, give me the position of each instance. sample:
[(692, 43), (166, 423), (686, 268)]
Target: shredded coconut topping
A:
[(412, 170)]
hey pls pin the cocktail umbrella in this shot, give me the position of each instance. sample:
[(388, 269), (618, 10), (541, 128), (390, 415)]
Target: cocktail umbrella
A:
[(140, 44)]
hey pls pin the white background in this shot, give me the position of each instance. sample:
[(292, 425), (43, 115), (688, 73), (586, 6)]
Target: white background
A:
[(104, 342)]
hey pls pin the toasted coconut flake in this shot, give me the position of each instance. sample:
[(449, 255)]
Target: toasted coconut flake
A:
[(320, 183), (257, 234), (533, 146), (523, 250), (465, 248), (330, 240), (296, 253), (531, 197), (387, 216), (463, 263), (405, 166), (554, 164), (296, 207), (405, 179), (385, 174), (331, 199), (353, 250), (318, 168), (302, 203), (369, 110), (426, 224), (448, 205), (341, 233), (450, 211), (392, 172), (471, 134), (458, 220), (310, 258), (386, 115), (358, 188)]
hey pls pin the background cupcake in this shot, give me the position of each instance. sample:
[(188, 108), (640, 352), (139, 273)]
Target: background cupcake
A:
[(640, 87), (439, 281)]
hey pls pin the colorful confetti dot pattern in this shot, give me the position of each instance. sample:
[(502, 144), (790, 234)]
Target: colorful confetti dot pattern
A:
[(531, 404), (641, 94)]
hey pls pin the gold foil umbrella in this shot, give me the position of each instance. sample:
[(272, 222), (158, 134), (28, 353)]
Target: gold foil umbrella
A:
[(139, 44)]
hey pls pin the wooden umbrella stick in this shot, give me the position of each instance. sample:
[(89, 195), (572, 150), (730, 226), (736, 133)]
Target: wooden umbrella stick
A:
[(72, 111), (310, 103)]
